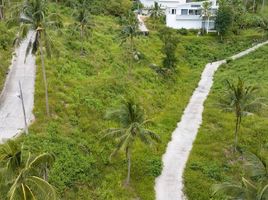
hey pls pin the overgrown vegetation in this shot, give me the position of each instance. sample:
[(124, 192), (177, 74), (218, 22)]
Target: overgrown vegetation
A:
[(6, 39), (82, 87)]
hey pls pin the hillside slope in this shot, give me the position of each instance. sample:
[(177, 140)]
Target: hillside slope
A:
[(83, 87)]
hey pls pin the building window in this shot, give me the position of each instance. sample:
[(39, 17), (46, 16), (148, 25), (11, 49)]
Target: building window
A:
[(194, 12), (173, 11), (184, 11)]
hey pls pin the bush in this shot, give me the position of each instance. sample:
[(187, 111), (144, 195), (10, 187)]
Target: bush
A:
[(170, 41), (182, 31)]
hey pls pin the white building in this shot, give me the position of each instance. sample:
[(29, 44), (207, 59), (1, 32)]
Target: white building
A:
[(185, 14), (163, 3), (189, 16)]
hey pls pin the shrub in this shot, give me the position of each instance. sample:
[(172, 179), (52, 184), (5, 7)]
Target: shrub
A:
[(182, 31)]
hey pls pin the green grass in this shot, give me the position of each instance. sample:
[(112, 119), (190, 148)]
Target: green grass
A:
[(211, 160), (82, 88)]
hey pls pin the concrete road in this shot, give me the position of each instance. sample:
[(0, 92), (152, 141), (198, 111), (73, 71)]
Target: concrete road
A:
[(11, 113)]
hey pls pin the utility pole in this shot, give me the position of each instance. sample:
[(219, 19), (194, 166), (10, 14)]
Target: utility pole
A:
[(23, 109)]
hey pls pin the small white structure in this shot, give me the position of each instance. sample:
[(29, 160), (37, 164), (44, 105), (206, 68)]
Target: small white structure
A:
[(190, 16)]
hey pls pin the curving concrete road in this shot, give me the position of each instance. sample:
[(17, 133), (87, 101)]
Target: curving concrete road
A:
[(11, 113), (169, 185)]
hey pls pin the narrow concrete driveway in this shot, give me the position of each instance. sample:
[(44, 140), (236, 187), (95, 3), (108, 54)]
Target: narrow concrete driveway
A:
[(11, 113)]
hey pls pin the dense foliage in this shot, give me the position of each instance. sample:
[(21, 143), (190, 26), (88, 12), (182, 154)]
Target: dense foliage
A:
[(6, 40)]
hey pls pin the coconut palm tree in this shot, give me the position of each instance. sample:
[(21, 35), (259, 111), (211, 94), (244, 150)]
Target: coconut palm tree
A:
[(131, 118), (34, 18), (130, 30), (206, 12), (10, 154), (253, 187), (246, 190), (28, 184), (82, 17), (156, 12), (20, 178), (2, 9), (241, 100)]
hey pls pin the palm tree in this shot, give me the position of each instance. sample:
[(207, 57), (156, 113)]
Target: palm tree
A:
[(28, 184), (263, 5), (156, 12), (2, 9), (10, 153), (253, 187), (131, 118), (206, 12), (34, 18), (246, 190), (130, 30), (23, 177), (82, 17), (240, 100)]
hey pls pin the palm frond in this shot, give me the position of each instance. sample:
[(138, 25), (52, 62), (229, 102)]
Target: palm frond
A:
[(112, 133), (228, 189), (48, 191), (153, 135), (45, 158), (254, 166), (263, 194)]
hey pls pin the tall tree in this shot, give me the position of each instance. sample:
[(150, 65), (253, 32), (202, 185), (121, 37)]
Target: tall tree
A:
[(82, 17), (170, 43), (224, 19), (241, 100), (206, 12), (34, 17), (129, 32), (156, 12), (130, 116)]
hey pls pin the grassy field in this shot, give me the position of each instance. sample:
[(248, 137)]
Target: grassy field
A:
[(211, 160), (83, 87)]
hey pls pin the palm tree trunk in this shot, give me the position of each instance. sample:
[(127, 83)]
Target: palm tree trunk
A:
[(44, 77), (254, 4), (82, 40), (236, 132), (1, 9), (23, 110), (129, 166), (208, 25)]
